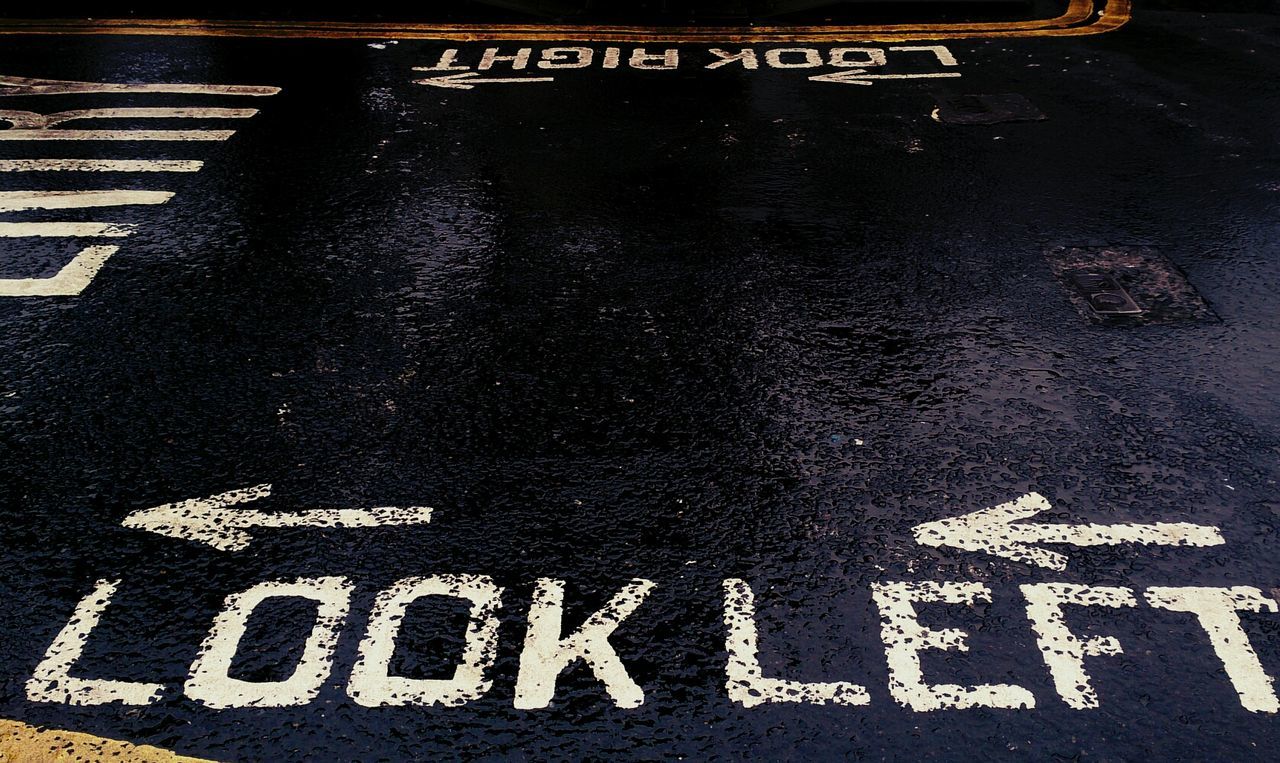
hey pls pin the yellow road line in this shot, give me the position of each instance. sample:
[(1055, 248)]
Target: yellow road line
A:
[(20, 743), (1081, 17)]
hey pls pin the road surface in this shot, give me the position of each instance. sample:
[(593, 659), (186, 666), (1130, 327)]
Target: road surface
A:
[(404, 398)]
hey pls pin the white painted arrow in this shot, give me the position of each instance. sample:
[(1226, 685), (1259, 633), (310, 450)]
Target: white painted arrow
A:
[(214, 522), (860, 76), (468, 80), (993, 531)]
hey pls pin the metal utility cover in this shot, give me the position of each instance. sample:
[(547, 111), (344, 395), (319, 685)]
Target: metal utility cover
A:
[(1104, 295), (1126, 285)]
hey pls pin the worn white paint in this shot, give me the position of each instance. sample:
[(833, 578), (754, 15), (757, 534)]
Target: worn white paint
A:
[(793, 58), (18, 201), (904, 638), (847, 58), (53, 681), (214, 522), (210, 682), (69, 230), (468, 81), (69, 281), (117, 135), (100, 165), (810, 58), (35, 86), (80, 271), (668, 59), (582, 57), (27, 125), (558, 57), (854, 77), (31, 120), (745, 56), (994, 531), (566, 58), (860, 77), (1216, 610), (1064, 651), (546, 653), (491, 56), (448, 63), (746, 682), (371, 683)]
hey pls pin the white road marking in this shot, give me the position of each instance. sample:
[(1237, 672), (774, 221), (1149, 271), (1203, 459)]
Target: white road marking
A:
[(71, 230), (668, 59), (28, 125), (847, 58), (554, 58), (1216, 608), (70, 280), (468, 80), (1064, 651), (23, 120), (519, 60), (810, 58), (905, 637), (745, 679), (860, 77), (34, 86), (945, 56), (372, 684), (546, 653), (746, 56), (448, 63), (210, 682), (213, 522), (100, 165), (139, 135), (18, 201), (993, 531), (566, 58), (52, 680)]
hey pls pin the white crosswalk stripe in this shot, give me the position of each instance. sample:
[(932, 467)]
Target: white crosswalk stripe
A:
[(100, 165), (33, 126)]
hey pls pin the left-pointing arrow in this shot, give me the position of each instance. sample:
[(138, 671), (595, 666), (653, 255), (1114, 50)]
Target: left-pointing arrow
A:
[(468, 80), (861, 77), (999, 531), (215, 521)]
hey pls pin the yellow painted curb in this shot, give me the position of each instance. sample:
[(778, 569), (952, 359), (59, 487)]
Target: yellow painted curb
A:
[(20, 743)]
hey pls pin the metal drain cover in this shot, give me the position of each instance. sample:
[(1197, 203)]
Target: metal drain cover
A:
[(1126, 285), (1103, 294)]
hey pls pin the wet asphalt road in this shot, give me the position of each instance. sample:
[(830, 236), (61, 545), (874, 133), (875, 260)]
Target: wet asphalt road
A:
[(681, 326)]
